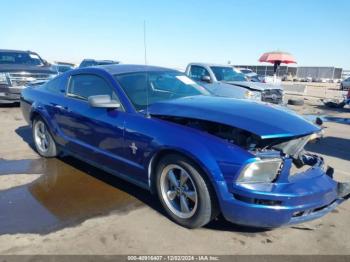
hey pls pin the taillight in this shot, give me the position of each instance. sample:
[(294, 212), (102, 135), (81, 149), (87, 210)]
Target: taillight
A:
[(349, 94)]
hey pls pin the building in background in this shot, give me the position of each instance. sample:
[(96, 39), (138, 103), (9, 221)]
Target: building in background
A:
[(319, 74), (345, 74), (302, 73)]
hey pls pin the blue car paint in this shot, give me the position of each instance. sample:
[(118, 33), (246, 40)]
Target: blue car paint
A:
[(102, 137), (255, 117)]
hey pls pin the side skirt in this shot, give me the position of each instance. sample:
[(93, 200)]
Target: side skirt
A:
[(109, 170)]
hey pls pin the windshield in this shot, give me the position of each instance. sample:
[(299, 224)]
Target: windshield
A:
[(246, 71), (63, 68), (227, 74), (146, 88), (20, 58)]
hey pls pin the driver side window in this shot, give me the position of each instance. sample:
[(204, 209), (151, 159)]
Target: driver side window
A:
[(197, 72), (85, 85)]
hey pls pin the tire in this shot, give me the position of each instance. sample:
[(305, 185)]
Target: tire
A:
[(334, 104), (195, 192), (43, 141), (296, 102)]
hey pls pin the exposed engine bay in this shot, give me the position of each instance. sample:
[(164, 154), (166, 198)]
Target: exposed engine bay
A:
[(291, 146)]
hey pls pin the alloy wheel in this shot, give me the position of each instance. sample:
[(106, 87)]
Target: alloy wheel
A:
[(41, 136), (178, 191)]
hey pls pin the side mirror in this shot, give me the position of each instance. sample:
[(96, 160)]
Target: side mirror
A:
[(206, 79), (103, 101)]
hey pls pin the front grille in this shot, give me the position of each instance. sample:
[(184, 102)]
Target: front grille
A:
[(274, 96), (24, 78)]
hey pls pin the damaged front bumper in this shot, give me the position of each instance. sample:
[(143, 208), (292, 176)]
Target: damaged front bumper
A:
[(291, 199)]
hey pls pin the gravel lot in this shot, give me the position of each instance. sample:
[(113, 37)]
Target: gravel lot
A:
[(63, 206)]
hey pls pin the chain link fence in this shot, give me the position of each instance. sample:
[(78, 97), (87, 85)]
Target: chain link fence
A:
[(312, 73)]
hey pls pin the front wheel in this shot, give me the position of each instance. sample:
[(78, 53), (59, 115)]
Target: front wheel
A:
[(44, 143), (183, 192)]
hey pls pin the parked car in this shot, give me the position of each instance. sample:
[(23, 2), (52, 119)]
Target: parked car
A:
[(223, 80), (250, 74), (18, 69), (62, 68), (93, 62), (202, 155), (347, 100), (345, 84)]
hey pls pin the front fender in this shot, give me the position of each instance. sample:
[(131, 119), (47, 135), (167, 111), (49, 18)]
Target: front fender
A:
[(210, 153)]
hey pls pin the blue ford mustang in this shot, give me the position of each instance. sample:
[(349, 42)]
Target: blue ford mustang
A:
[(201, 155)]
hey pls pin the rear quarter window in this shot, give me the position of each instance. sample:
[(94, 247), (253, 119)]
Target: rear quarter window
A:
[(56, 85)]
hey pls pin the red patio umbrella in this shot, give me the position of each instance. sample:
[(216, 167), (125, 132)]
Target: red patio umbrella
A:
[(277, 58)]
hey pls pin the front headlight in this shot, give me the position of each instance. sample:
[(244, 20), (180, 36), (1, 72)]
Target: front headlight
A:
[(262, 171), (253, 95), (3, 79)]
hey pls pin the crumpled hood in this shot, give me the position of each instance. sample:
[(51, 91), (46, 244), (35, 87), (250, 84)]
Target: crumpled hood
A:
[(26, 68), (254, 85), (262, 119)]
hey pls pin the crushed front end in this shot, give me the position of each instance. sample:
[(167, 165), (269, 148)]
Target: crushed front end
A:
[(283, 185), (275, 182)]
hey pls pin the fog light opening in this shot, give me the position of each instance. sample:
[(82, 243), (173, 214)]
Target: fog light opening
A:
[(256, 201)]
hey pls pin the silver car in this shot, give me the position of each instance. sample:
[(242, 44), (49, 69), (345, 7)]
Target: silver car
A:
[(223, 80), (345, 84)]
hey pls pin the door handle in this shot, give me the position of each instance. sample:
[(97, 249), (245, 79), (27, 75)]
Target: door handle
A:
[(60, 107)]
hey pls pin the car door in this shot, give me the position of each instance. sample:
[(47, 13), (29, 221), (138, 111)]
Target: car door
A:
[(94, 134)]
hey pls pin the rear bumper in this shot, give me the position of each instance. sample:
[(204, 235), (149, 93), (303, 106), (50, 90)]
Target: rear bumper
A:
[(272, 206), (10, 94)]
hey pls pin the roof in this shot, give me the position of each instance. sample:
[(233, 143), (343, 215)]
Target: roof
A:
[(17, 51), (99, 60), (210, 64), (125, 68)]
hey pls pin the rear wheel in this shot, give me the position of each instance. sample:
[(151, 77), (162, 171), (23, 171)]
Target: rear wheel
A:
[(183, 192), (44, 143)]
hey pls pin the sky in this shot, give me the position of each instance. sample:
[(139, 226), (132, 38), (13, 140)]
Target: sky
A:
[(316, 32)]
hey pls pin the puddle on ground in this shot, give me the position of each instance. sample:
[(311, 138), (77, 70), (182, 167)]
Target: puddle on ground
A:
[(68, 192), (340, 120), (23, 166)]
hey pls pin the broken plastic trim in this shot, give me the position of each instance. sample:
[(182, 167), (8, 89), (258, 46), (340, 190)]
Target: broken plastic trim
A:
[(344, 190)]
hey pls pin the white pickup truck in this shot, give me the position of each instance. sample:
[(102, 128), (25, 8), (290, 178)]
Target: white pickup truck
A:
[(224, 80)]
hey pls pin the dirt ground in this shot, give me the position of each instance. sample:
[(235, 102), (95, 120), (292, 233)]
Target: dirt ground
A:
[(63, 206)]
